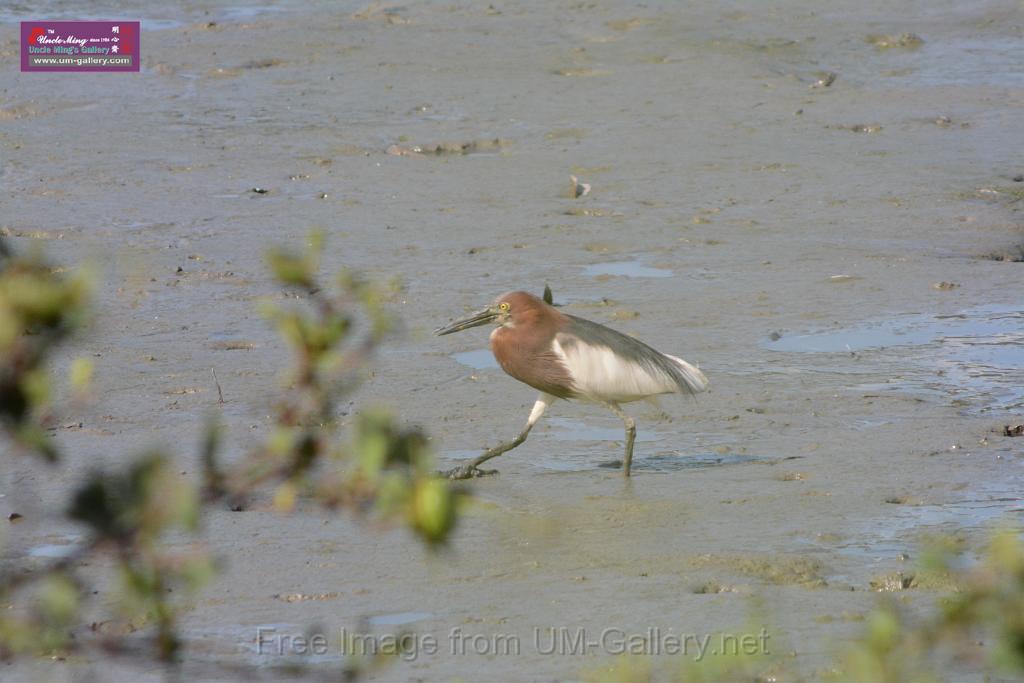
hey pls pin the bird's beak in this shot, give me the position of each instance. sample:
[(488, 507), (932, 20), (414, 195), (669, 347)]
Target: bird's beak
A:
[(480, 318)]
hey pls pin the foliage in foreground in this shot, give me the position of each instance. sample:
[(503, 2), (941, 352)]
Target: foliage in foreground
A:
[(383, 472), (987, 607)]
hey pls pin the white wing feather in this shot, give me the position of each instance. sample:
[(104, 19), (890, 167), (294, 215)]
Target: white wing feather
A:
[(600, 375)]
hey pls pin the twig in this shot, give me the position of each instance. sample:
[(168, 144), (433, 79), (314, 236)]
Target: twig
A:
[(220, 394)]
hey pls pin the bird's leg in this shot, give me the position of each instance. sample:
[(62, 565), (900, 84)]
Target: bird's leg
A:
[(627, 461), (473, 469)]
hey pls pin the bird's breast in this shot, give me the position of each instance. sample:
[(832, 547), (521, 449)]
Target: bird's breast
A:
[(533, 362)]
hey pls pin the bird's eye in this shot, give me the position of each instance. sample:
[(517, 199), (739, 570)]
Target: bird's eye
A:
[(504, 306)]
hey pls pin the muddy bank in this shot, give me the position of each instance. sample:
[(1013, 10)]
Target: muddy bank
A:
[(783, 232)]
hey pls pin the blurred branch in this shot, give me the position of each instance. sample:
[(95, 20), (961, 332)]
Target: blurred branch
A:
[(383, 471)]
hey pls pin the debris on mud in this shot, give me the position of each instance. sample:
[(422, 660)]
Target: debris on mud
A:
[(578, 189), (1015, 430), (825, 79), (782, 570), (579, 72), (903, 500), (450, 148), (889, 583), (902, 40), (304, 597), (376, 11), (629, 24), (262, 63), (625, 314), (945, 285), (1009, 255), (857, 127), (714, 587)]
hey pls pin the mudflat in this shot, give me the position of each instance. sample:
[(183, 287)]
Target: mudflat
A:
[(819, 205)]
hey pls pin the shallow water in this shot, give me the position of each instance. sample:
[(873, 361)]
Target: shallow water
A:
[(975, 355), (70, 545), (634, 268), (398, 618), (481, 359), (729, 186)]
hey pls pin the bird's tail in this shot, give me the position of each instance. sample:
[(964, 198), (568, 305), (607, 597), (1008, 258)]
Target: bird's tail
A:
[(694, 378)]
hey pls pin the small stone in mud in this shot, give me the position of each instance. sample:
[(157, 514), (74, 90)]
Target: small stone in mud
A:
[(903, 500), (578, 189), (1016, 430), (259, 190), (15, 517), (775, 336), (945, 285), (1018, 178), (825, 80)]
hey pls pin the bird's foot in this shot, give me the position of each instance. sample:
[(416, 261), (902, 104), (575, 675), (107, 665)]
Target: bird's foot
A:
[(466, 472)]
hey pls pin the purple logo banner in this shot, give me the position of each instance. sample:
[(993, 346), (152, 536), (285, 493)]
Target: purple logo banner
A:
[(79, 46)]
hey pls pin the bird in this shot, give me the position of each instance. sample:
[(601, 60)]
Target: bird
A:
[(566, 357)]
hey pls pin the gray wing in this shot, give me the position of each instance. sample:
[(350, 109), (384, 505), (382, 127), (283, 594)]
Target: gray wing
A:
[(637, 352)]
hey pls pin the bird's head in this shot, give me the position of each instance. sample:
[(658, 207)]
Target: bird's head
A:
[(505, 311)]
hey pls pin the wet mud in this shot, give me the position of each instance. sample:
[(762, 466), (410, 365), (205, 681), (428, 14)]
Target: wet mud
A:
[(779, 194)]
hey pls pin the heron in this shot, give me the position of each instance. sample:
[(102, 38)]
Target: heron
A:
[(565, 357)]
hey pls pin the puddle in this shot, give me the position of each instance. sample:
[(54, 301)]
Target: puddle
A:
[(877, 544), (71, 544), (264, 645), (481, 359), (611, 459), (569, 429), (399, 618), (966, 61), (60, 10), (54, 10), (975, 355), (599, 446), (241, 14), (633, 268), (659, 461), (284, 644)]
